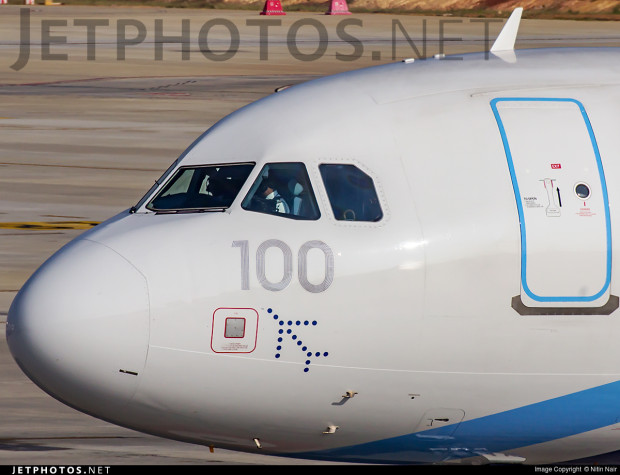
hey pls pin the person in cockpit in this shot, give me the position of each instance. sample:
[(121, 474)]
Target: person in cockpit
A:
[(270, 199)]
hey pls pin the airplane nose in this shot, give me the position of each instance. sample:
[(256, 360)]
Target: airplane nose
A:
[(79, 328)]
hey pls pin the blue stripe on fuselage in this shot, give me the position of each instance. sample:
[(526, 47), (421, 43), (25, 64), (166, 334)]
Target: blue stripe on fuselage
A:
[(528, 425)]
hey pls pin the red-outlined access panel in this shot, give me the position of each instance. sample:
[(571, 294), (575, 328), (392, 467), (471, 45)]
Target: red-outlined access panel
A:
[(234, 330)]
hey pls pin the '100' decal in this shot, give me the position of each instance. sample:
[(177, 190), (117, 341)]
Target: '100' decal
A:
[(302, 265)]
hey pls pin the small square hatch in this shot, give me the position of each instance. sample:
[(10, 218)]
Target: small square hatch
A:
[(234, 330)]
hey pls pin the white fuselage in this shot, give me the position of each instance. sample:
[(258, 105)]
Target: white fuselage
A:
[(413, 314)]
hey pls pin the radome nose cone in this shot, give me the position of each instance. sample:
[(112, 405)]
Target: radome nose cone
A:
[(79, 327)]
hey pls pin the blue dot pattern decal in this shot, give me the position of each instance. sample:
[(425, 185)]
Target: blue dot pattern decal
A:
[(290, 335)]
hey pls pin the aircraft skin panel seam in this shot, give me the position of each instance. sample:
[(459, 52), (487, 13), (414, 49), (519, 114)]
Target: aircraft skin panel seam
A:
[(509, 157)]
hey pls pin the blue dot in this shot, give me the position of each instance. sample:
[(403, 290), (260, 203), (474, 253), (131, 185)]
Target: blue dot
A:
[(294, 337), (290, 322), (269, 310), (309, 354), (307, 361), (277, 355), (317, 354), (325, 354), (304, 348), (279, 341), (281, 322), (278, 348), (314, 322), (306, 370), (299, 343), (297, 322), (275, 317), (280, 332), (289, 331), (306, 322)]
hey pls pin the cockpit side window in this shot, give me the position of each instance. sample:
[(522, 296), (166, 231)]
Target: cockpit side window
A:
[(283, 189), (351, 193), (201, 188)]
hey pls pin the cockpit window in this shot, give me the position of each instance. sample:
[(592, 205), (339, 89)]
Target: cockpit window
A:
[(283, 189), (201, 188), (351, 193)]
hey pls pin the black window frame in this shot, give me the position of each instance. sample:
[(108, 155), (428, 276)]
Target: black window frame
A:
[(246, 203), (197, 209), (341, 213)]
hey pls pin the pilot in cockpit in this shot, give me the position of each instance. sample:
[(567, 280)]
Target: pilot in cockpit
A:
[(283, 189), (268, 200)]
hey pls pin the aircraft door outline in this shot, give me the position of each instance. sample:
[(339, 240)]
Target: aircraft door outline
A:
[(566, 249)]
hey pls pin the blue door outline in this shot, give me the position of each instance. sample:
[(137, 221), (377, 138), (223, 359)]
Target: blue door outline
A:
[(517, 193)]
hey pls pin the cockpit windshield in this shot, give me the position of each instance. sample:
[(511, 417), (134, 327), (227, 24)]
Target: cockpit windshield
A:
[(283, 189), (201, 188)]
